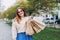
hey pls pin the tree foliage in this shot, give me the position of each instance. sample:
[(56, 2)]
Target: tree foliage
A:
[(33, 5), (10, 12), (30, 7)]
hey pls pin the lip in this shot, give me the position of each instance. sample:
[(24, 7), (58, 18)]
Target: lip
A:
[(21, 14)]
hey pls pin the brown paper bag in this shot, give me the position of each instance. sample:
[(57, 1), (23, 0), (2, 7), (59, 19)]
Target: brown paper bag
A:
[(34, 27), (40, 25), (29, 29)]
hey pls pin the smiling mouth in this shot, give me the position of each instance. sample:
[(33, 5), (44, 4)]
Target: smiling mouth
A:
[(21, 14)]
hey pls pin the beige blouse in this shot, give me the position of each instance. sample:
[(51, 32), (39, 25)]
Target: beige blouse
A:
[(18, 28)]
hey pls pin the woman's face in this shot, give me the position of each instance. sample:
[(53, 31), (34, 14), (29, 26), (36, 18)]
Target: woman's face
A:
[(20, 12)]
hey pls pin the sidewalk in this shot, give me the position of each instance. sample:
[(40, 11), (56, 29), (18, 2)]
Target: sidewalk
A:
[(5, 31), (52, 25)]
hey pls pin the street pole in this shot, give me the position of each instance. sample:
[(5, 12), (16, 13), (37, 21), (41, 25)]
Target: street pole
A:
[(54, 19)]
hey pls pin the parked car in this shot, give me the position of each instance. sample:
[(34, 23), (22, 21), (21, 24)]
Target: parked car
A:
[(49, 21)]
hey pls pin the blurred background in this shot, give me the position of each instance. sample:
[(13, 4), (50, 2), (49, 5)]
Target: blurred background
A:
[(48, 10)]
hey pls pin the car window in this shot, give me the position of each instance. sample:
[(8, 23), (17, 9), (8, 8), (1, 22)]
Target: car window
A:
[(51, 18), (47, 19)]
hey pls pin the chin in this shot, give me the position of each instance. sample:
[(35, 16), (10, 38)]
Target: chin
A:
[(21, 15)]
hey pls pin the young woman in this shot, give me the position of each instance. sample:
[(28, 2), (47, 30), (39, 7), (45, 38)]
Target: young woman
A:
[(18, 26)]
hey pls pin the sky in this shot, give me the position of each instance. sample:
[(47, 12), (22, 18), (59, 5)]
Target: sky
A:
[(8, 3)]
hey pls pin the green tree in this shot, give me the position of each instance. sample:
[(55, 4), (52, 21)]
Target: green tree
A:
[(10, 12), (30, 7), (34, 5)]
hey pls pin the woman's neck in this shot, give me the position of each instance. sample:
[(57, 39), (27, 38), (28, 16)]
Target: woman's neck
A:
[(19, 19), (22, 17)]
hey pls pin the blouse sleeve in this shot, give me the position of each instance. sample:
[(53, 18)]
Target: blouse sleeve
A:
[(14, 30)]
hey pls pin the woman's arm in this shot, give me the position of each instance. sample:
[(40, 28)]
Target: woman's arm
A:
[(14, 31)]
